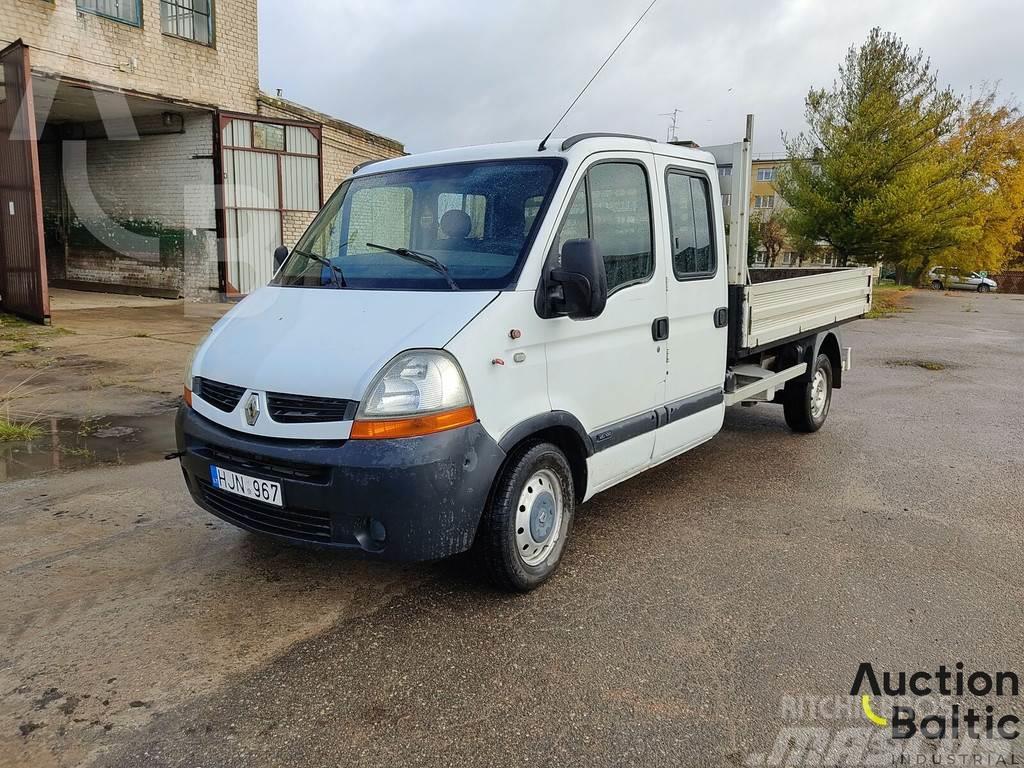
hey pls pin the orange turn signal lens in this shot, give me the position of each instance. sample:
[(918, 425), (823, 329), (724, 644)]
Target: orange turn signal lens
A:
[(414, 426), (187, 397)]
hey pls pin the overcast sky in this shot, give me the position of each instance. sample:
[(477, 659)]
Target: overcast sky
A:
[(444, 73)]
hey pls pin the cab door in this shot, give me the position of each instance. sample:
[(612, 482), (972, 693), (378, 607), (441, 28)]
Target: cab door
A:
[(697, 306), (609, 371)]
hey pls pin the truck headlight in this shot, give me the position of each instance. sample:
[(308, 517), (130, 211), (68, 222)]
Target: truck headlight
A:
[(419, 392), (188, 369)]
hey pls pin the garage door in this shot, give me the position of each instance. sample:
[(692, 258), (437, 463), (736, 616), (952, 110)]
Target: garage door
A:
[(22, 264), (270, 169)]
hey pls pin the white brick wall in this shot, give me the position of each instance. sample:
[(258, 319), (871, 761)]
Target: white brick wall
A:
[(167, 178), (138, 211)]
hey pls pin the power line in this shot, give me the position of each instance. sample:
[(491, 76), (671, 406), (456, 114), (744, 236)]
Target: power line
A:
[(592, 79)]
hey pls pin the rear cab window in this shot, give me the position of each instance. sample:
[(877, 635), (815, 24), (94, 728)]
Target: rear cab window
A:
[(689, 211)]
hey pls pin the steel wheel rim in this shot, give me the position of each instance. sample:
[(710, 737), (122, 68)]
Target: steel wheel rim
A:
[(539, 514), (819, 394)]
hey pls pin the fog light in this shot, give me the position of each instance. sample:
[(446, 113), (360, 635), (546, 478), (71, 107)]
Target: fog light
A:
[(378, 533)]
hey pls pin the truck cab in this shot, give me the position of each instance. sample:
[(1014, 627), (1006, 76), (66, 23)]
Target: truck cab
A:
[(468, 344)]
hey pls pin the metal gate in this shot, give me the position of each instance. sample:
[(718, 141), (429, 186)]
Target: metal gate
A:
[(270, 172), (23, 288)]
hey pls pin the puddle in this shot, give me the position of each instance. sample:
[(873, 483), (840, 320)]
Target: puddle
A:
[(70, 444)]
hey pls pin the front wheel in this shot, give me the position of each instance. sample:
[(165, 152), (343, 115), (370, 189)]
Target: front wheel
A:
[(806, 403), (937, 285), (526, 524), (984, 288)]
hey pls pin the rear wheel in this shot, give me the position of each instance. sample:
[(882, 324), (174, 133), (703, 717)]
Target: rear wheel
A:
[(806, 403), (526, 524)]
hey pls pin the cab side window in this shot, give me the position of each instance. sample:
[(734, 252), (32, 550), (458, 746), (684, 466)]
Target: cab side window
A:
[(612, 207), (690, 222)]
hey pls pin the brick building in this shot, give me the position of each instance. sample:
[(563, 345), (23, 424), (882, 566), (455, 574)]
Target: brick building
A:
[(138, 153)]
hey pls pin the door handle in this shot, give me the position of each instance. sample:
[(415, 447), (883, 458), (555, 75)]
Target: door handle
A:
[(659, 329), (721, 317)]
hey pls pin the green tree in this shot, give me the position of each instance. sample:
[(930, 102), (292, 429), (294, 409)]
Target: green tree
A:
[(753, 238), (871, 177)]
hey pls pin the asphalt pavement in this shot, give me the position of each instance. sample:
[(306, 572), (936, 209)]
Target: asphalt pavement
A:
[(700, 607)]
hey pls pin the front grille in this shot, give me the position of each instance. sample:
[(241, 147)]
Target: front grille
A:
[(303, 409), (298, 524), (224, 397), (259, 465)]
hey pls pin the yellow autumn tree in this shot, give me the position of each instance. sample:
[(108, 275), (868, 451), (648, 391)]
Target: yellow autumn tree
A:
[(988, 143)]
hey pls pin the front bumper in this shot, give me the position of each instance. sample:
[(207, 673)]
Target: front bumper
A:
[(416, 498)]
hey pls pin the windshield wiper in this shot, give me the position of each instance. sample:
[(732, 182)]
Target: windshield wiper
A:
[(421, 258), (336, 273)]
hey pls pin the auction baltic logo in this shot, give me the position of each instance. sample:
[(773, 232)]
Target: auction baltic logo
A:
[(959, 721)]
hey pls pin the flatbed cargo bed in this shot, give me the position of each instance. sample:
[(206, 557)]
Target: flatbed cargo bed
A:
[(783, 304)]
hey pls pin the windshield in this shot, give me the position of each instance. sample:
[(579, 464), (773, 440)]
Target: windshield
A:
[(476, 219)]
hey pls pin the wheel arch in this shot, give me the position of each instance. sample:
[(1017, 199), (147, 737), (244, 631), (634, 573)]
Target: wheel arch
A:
[(807, 349), (560, 428), (828, 344)]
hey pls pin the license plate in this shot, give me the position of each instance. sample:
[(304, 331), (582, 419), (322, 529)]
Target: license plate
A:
[(243, 485)]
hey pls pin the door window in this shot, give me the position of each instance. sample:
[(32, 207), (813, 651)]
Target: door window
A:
[(612, 207), (690, 221)]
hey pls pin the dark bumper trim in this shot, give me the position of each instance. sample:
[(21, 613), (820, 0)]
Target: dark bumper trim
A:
[(427, 492)]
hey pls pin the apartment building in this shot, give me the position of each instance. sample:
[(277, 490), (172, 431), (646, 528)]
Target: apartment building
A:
[(765, 201), (138, 153)]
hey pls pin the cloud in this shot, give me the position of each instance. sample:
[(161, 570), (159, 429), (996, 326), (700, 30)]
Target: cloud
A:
[(442, 73)]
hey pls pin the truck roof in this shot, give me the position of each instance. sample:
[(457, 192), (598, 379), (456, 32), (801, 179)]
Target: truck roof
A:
[(571, 147)]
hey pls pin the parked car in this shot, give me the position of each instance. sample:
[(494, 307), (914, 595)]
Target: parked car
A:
[(467, 344), (941, 277)]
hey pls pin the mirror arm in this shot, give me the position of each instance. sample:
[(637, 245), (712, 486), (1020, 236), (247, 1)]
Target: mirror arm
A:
[(561, 276)]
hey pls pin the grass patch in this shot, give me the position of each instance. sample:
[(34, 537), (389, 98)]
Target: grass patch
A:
[(928, 365), (887, 300), (11, 432), (90, 426), (13, 321), (77, 452)]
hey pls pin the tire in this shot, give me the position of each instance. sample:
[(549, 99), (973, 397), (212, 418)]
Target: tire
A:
[(984, 288), (937, 285), (806, 403), (519, 544)]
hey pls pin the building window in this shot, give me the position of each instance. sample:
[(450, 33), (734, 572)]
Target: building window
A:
[(268, 136), (766, 174), (190, 19), (726, 200), (128, 11), (725, 170), (764, 201)]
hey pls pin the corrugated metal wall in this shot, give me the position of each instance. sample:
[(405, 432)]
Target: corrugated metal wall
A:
[(261, 182), (23, 288)]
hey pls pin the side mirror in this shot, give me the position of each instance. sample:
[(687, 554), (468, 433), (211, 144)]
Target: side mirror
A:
[(579, 287), (280, 254)]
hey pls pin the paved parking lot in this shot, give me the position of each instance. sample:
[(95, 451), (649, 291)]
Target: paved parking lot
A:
[(694, 601)]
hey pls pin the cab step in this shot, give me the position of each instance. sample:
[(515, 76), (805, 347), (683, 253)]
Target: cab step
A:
[(753, 384)]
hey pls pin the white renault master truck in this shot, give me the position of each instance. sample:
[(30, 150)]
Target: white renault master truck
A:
[(468, 344)]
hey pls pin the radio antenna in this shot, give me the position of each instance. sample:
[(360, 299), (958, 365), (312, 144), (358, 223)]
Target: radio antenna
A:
[(592, 79)]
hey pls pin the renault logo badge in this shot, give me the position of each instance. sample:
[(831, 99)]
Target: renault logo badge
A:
[(252, 410)]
